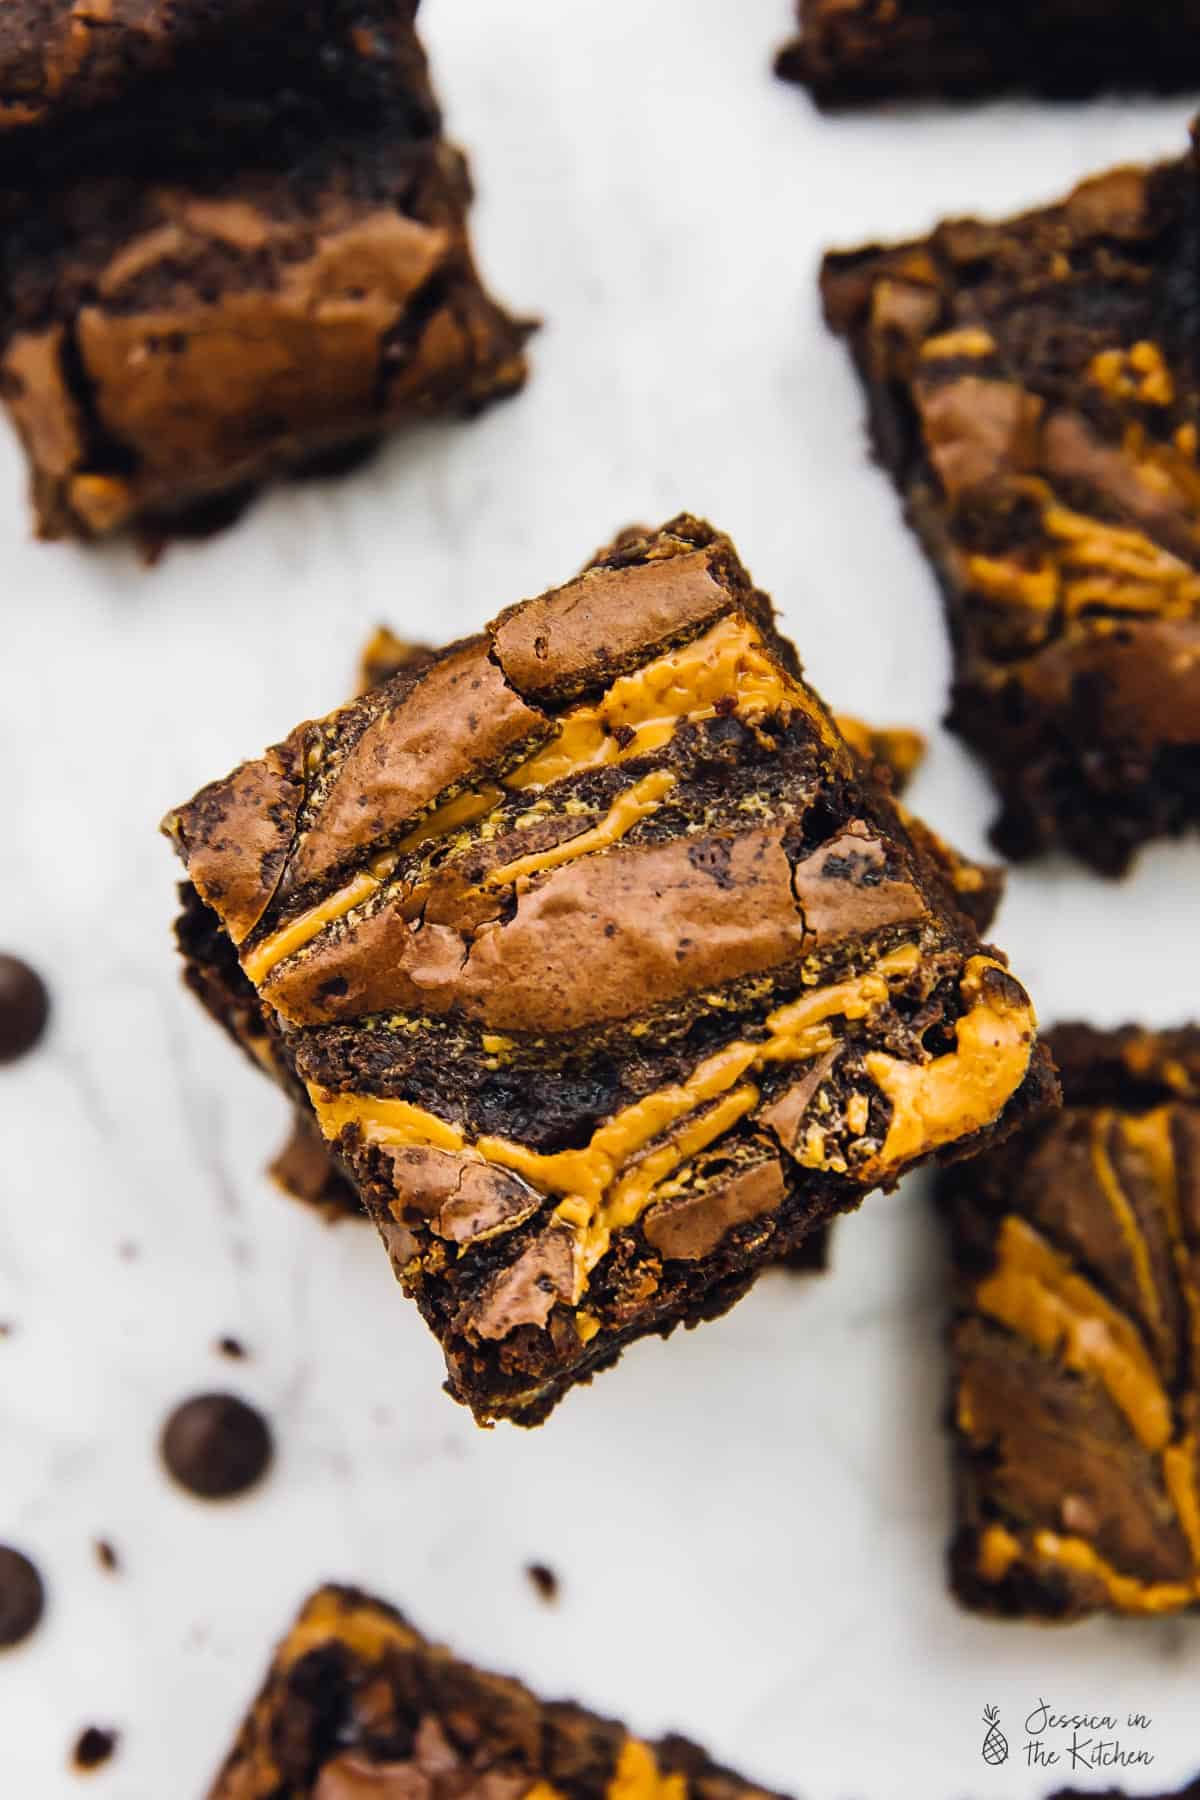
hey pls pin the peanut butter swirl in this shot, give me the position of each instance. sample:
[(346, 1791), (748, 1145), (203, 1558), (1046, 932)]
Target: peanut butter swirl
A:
[(599, 954)]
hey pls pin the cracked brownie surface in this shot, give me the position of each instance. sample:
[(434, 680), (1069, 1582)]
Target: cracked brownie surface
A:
[(1032, 389), (358, 1704), (853, 51), (215, 268), (605, 967), (1075, 1347)]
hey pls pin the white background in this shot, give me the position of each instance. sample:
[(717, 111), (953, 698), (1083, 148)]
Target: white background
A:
[(749, 1523)]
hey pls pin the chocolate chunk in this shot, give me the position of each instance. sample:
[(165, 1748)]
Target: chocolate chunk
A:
[(606, 967), (22, 1597), (94, 1746), (216, 1446), (24, 1008)]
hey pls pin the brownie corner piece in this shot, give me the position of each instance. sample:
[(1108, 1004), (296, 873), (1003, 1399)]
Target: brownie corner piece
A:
[(1032, 390), (356, 1702), (1075, 1342), (214, 271), (855, 52), (608, 970)]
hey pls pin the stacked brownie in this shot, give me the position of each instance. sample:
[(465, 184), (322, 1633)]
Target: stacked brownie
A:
[(229, 247), (604, 966)]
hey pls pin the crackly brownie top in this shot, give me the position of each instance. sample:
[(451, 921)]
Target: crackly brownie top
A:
[(1077, 1339), (357, 1704), (1048, 439), (594, 922)]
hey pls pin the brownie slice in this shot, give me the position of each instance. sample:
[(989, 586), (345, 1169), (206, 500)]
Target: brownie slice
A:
[(1075, 1346), (1190, 1791), (358, 1703), (217, 268), (1032, 387), (606, 968), (854, 51)]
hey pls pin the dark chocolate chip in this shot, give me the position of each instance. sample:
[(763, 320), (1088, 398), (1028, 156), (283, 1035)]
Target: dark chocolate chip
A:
[(544, 1579), (93, 1746), (24, 1008), (22, 1597), (216, 1446)]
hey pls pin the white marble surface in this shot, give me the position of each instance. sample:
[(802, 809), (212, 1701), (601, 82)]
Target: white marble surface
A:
[(748, 1523)]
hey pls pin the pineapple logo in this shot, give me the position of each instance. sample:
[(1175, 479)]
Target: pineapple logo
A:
[(995, 1744)]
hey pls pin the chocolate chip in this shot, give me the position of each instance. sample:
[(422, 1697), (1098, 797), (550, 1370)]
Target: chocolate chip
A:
[(216, 1446), (22, 1597), (93, 1746), (106, 1556), (24, 1008), (544, 1579), (231, 1347)]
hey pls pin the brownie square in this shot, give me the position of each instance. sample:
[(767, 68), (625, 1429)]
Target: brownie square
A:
[(233, 243), (1190, 1791), (1075, 1345), (1032, 389), (357, 1703), (605, 967), (854, 51)]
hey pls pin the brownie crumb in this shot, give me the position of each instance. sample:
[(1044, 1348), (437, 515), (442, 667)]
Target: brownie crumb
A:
[(93, 1746), (22, 1597), (231, 1347), (106, 1556), (545, 1581), (216, 1446), (24, 1008)]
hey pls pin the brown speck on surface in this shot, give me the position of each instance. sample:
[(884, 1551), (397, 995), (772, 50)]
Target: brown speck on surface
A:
[(231, 1347), (545, 1581), (6, 1329), (93, 1746), (127, 1251), (106, 1556)]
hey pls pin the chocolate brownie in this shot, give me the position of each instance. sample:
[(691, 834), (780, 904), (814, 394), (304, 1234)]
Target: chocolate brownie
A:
[(854, 51), (1190, 1791), (1033, 389), (357, 1703), (1075, 1345), (606, 968), (215, 268)]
